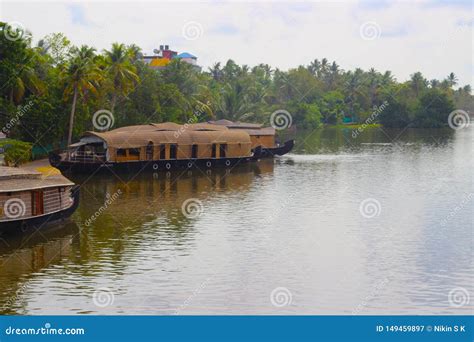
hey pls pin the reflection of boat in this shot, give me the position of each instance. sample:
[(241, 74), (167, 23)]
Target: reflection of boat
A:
[(168, 146), (22, 257), (31, 199)]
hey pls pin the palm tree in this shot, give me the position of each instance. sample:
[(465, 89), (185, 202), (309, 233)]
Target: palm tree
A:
[(418, 82), (434, 83), (24, 77), (216, 71), (452, 79), (324, 66), (467, 89), (315, 68), (387, 79), (134, 52), (120, 71), (81, 75), (333, 75), (373, 83), (352, 88)]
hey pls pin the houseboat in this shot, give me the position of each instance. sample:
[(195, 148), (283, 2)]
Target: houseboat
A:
[(263, 139), (159, 147), (31, 199)]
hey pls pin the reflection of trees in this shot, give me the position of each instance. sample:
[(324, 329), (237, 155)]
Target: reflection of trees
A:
[(149, 206), (146, 213), (22, 256)]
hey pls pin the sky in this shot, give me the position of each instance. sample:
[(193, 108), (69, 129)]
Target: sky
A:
[(431, 36)]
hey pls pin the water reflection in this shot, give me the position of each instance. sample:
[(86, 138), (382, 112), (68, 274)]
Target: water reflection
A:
[(294, 222)]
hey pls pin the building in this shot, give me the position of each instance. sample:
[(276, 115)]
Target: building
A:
[(162, 57)]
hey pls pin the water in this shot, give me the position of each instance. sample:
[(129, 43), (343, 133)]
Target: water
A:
[(300, 228)]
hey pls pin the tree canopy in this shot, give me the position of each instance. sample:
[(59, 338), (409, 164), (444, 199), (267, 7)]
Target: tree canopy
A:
[(65, 85)]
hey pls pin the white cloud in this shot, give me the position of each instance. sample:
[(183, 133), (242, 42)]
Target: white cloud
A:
[(421, 36)]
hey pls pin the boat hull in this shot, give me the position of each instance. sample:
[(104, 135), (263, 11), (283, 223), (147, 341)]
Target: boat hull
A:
[(263, 152), (145, 166), (39, 222)]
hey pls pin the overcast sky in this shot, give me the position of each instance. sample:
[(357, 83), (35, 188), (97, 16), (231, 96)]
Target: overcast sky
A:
[(434, 37)]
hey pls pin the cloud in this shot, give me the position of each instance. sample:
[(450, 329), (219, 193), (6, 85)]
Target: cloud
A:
[(78, 15), (414, 36)]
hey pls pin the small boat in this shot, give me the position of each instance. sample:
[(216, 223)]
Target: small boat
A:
[(164, 147), (279, 150), (31, 199)]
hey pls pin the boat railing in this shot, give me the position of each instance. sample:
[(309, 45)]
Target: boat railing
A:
[(87, 157)]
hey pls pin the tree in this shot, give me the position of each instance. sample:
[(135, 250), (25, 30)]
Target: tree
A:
[(121, 73), (81, 75), (452, 80), (418, 83), (396, 114), (433, 109)]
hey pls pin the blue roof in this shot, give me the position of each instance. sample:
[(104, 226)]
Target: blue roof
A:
[(185, 55)]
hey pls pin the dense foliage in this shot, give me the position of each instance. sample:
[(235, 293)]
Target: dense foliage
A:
[(52, 86), (15, 152)]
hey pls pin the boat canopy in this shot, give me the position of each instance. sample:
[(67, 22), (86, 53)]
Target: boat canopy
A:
[(169, 133)]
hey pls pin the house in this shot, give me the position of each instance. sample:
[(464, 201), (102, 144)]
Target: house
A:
[(162, 57)]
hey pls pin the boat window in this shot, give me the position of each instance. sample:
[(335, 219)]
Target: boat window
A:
[(121, 152), (173, 151), (213, 155), (194, 151), (134, 152), (149, 151), (222, 150), (162, 151)]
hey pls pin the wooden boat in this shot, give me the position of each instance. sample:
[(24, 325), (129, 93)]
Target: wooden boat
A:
[(30, 199), (157, 147), (263, 138)]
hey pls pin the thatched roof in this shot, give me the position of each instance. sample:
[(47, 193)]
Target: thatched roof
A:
[(169, 133), (232, 124), (18, 179), (250, 128)]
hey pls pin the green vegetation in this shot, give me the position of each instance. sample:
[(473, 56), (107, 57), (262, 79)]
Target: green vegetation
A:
[(50, 92), (15, 152)]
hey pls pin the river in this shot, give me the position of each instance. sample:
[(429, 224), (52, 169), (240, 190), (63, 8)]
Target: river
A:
[(378, 223)]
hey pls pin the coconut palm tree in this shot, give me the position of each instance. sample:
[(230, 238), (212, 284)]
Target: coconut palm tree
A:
[(81, 75), (120, 71), (452, 79), (315, 68), (418, 82), (24, 77)]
